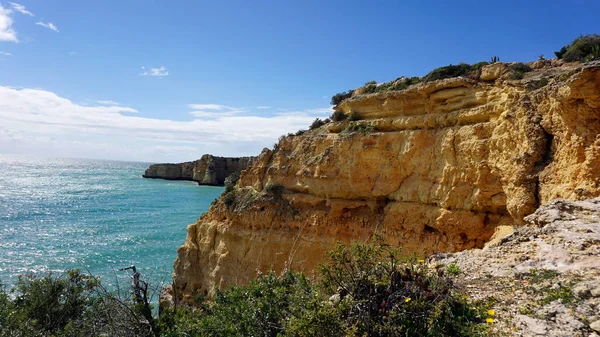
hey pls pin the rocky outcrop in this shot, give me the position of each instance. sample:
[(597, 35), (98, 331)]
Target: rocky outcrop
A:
[(544, 278), (209, 170), (438, 167)]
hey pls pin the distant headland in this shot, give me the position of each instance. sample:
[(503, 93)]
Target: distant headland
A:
[(208, 170)]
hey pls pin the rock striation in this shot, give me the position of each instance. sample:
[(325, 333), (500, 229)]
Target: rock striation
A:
[(208, 170), (437, 167)]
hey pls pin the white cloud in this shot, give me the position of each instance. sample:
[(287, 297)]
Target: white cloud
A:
[(6, 31), (48, 25), (5, 53), (263, 107), (108, 102), (20, 8), (159, 72), (213, 110), (36, 121)]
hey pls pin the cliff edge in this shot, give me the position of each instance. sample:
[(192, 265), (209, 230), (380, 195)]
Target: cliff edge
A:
[(436, 167), (208, 170)]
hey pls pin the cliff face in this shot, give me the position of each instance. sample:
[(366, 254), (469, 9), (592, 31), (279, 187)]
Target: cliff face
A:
[(209, 170), (440, 167)]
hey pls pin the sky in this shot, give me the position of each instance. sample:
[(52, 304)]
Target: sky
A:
[(167, 81)]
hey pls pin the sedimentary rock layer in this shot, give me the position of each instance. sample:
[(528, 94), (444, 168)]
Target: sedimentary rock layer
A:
[(440, 167), (209, 170)]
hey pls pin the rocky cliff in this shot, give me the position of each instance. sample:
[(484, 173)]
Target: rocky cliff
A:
[(437, 167), (208, 170), (544, 278)]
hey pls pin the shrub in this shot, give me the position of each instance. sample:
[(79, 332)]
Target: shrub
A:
[(355, 127), (353, 116), (270, 305), (70, 304), (50, 303), (338, 116), (584, 48), (339, 97), (317, 123), (385, 296), (479, 65), (518, 70), (370, 87), (521, 67), (448, 72), (453, 269)]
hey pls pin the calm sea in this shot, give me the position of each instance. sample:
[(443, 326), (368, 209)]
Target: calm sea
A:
[(57, 214)]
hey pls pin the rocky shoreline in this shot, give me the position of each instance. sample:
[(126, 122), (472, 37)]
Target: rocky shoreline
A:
[(208, 170)]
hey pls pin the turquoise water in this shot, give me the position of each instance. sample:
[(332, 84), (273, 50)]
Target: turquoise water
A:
[(57, 214)]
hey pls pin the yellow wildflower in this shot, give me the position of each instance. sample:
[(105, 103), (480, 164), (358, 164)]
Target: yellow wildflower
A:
[(489, 320), (407, 299), (491, 312), (421, 261)]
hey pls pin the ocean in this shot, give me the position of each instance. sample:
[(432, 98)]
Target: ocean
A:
[(95, 215)]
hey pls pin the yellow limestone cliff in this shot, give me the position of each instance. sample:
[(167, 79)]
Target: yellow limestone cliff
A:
[(440, 167)]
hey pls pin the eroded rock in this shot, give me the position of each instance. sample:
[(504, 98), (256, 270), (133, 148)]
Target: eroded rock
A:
[(446, 164)]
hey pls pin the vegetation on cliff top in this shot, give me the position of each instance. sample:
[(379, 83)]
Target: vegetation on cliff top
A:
[(584, 48), (363, 290)]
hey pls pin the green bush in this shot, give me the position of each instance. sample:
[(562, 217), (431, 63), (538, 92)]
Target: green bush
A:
[(372, 292), (338, 116), (339, 97), (355, 127), (354, 116), (370, 87), (71, 304), (453, 269), (479, 65), (50, 303), (317, 123), (518, 70), (392, 297), (449, 72), (584, 48)]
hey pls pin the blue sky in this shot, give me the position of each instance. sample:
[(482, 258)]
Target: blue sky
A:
[(233, 74)]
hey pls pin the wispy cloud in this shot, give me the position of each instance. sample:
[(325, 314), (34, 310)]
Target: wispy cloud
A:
[(71, 53), (109, 102), (7, 33), (213, 110), (263, 107), (3, 53), (37, 121), (159, 72), (48, 25), (20, 8)]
